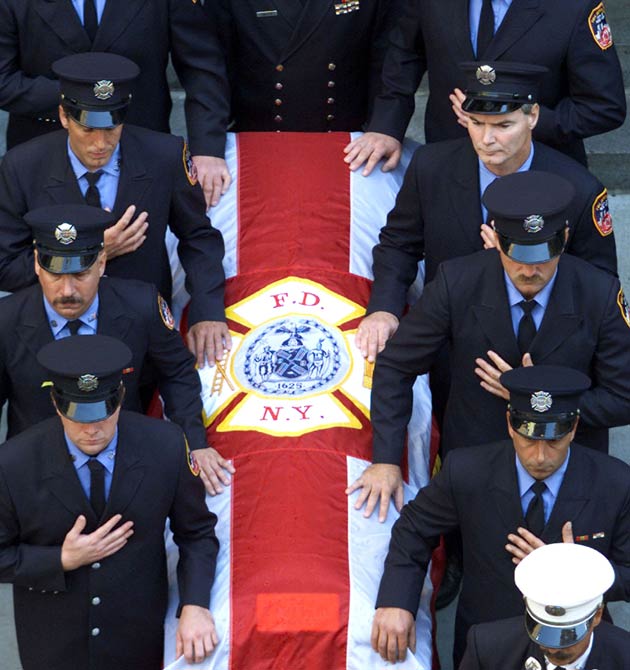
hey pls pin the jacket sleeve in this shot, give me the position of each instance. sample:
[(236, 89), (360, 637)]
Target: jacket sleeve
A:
[(403, 68), (415, 535), (470, 660), (620, 552), (593, 238), (16, 249), (28, 565), (200, 246), (178, 380), (19, 93), (193, 532), (607, 402), (595, 102), (200, 65), (400, 248), (409, 353)]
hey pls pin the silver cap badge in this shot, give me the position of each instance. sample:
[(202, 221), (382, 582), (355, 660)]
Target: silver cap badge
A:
[(541, 401), (486, 75), (104, 89), (87, 383), (65, 233), (533, 223)]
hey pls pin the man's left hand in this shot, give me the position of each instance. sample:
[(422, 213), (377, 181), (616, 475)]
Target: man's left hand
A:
[(214, 178), (213, 470), (523, 542), (489, 373), (196, 635), (393, 632), (457, 97), (209, 340)]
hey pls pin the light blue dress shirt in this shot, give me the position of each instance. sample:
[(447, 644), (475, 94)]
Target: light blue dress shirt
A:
[(486, 178), (107, 458), (499, 7), (107, 184), (100, 6), (541, 299), (553, 483), (58, 324)]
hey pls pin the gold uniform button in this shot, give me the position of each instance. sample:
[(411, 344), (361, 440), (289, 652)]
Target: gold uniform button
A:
[(330, 117), (277, 102), (278, 86), (96, 601), (95, 632), (279, 68), (330, 101), (331, 66), (277, 118), (331, 84)]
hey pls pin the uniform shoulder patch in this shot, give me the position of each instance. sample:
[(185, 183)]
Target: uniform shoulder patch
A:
[(192, 461), (602, 217), (189, 166), (165, 313), (600, 30), (623, 307)]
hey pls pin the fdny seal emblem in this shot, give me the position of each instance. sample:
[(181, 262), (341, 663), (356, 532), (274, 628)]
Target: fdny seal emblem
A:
[(601, 214), (600, 30), (486, 75), (189, 166), (555, 610), (533, 224), (292, 357), (541, 401), (165, 313), (87, 383), (103, 89), (65, 233), (623, 307), (193, 465)]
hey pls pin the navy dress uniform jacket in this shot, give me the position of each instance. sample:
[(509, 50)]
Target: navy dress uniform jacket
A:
[(438, 216), (128, 311), (586, 326), (477, 492), (312, 68), (582, 95), (153, 177), (35, 33), (505, 644), (59, 625)]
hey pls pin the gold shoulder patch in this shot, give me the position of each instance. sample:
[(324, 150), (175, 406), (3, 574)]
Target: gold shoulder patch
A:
[(602, 217), (600, 30), (165, 313), (192, 461), (623, 307), (189, 166)]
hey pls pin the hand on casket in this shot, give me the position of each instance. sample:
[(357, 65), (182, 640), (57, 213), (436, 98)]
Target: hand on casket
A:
[(370, 148), (379, 482), (373, 333)]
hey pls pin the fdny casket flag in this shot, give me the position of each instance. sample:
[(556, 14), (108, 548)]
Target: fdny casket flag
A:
[(299, 567)]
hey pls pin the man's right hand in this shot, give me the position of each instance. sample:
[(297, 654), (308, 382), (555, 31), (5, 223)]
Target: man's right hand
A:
[(373, 333), (79, 549), (369, 149), (393, 632), (380, 481), (126, 236)]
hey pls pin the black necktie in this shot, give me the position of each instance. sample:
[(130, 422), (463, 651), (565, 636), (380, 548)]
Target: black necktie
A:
[(93, 195), (526, 326), (97, 486), (90, 21), (74, 325), (486, 28), (535, 516)]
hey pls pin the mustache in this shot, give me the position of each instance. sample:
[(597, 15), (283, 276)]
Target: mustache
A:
[(69, 300)]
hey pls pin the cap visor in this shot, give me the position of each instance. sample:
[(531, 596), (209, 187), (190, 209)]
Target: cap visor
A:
[(98, 119), (88, 412), (555, 637), (533, 253), (485, 106), (65, 265), (534, 429)]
